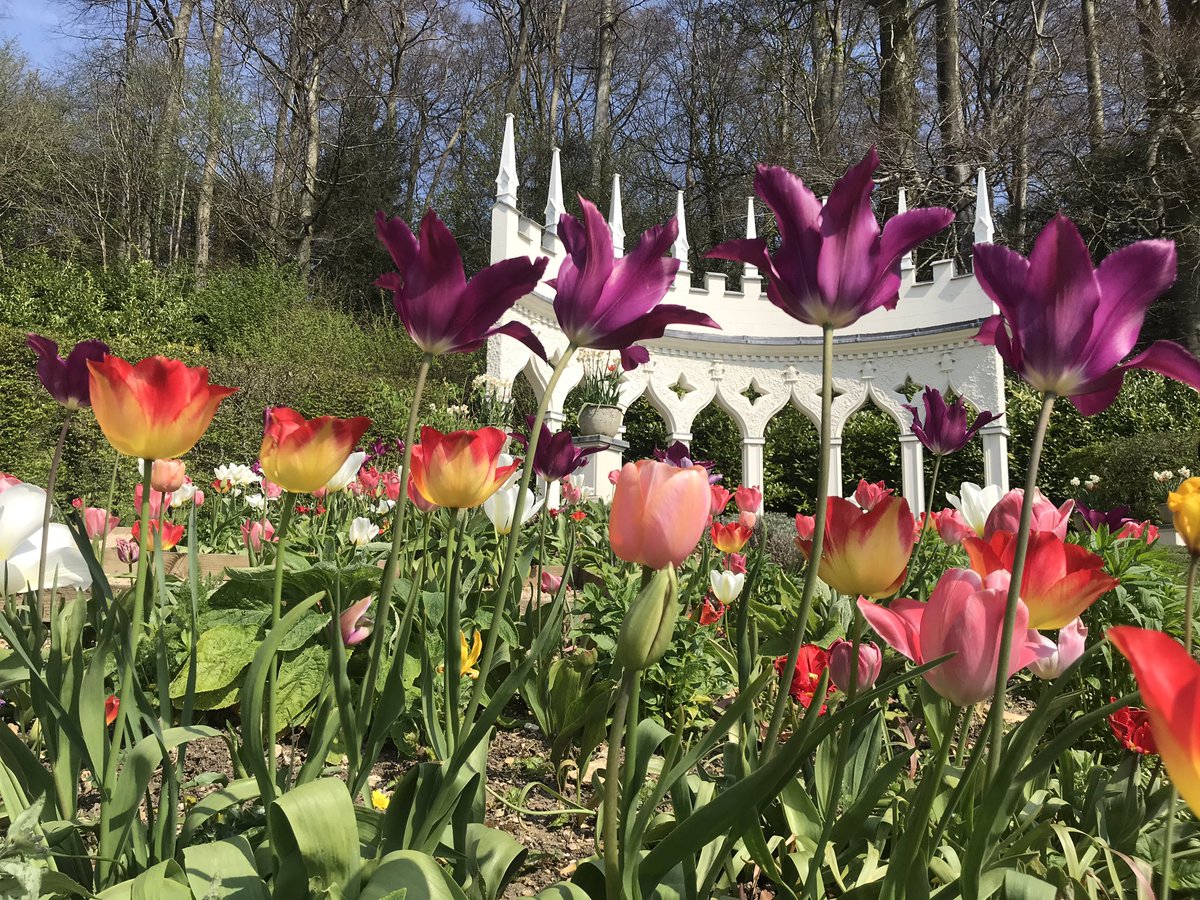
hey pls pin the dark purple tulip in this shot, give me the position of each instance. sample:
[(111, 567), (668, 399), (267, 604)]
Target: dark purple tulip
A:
[(832, 265), (1113, 519), (442, 311), (67, 380), (556, 456), (610, 304), (945, 428), (1065, 327), (680, 456)]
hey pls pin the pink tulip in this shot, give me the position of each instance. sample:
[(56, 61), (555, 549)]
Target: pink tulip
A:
[(1060, 654), (748, 499), (417, 500), (255, 532), (868, 495), (720, 499), (747, 520), (841, 661), (964, 616), (270, 490), (198, 498), (613, 476), (735, 563), (1006, 515), (952, 528), (805, 526), (659, 512), (1145, 530), (355, 625), (167, 475), (158, 501), (551, 583), (571, 493), (7, 481), (98, 522)]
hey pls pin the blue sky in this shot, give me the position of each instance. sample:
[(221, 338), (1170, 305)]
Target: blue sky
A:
[(37, 26)]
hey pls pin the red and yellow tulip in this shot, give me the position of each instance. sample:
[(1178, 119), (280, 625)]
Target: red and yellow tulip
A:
[(1169, 680), (301, 455), (162, 535), (461, 469), (865, 553), (156, 409), (731, 537), (1060, 581), (658, 512)]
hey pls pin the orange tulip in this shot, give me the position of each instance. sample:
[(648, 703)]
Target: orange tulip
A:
[(301, 455), (865, 552), (1060, 581), (1169, 680), (167, 475), (731, 538), (163, 535), (658, 513), (111, 706), (461, 469), (156, 409)]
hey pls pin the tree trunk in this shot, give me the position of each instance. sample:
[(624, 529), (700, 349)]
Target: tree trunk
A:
[(1149, 19), (308, 192), (1095, 88), (951, 124), (555, 80), (518, 67), (607, 49), (1018, 208), (280, 174), (212, 146), (898, 101), (163, 153)]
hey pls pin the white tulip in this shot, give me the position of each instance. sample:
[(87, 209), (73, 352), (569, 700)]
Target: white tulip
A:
[(727, 586), (500, 507), (362, 531), (975, 503), (256, 502), (346, 473), (21, 509), (185, 493), (384, 506), (237, 475)]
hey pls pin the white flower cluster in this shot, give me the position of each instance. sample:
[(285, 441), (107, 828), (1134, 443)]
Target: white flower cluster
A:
[(1093, 481), (1166, 475), (494, 388), (235, 476)]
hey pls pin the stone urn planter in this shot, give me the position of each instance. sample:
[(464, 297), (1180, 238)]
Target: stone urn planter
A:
[(603, 420)]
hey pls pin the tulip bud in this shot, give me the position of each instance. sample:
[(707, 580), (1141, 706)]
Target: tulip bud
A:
[(1184, 503), (167, 475), (841, 665), (551, 583), (649, 624), (727, 586), (747, 520)]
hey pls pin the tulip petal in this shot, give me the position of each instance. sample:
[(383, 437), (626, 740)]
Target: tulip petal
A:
[(1130, 280), (899, 624)]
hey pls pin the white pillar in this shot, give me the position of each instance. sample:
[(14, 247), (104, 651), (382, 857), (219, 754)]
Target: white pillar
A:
[(554, 197), (595, 473), (752, 461), (684, 436), (995, 455), (751, 278), (616, 219), (984, 227), (835, 467), (912, 472)]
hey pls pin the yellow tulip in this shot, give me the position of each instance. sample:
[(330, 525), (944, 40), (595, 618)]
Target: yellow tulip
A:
[(470, 657), (1184, 503)]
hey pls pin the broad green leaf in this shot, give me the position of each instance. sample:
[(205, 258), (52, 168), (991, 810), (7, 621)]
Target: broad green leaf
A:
[(164, 881), (224, 869), (493, 859), (221, 655), (417, 874), (233, 794), (314, 836), (301, 675)]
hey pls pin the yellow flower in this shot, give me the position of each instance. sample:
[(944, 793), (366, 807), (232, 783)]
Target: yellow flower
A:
[(380, 800), (470, 658), (1184, 503)]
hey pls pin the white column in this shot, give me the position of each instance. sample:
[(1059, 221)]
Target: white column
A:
[(752, 461), (684, 436), (595, 473), (506, 178), (995, 455), (912, 472), (616, 219), (835, 467), (554, 197)]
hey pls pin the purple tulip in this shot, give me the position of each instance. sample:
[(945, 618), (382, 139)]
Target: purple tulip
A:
[(1065, 327), (610, 304), (945, 428), (127, 551), (1113, 519), (832, 266), (67, 380), (680, 456), (442, 311), (556, 456)]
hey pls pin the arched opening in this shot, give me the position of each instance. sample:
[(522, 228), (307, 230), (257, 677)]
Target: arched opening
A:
[(644, 429), (871, 449), (790, 462), (524, 401), (715, 437)]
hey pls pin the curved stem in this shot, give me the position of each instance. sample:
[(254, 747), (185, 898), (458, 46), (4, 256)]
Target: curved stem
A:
[(1173, 799), (55, 462), (514, 536), (388, 583), (814, 558), (285, 519), (995, 721), (612, 789)]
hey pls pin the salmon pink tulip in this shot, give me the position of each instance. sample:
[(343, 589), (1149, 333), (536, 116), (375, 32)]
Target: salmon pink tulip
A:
[(865, 552), (658, 513), (163, 534), (868, 495), (111, 707), (67, 380), (964, 616), (1169, 680), (462, 469), (302, 455), (1061, 580), (156, 409), (748, 500), (952, 528), (832, 265), (1146, 531), (730, 538), (720, 499), (747, 520), (167, 475), (1006, 515), (1066, 327)]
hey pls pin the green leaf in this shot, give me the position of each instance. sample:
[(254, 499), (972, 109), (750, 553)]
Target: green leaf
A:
[(1019, 886), (314, 836), (493, 859), (233, 794), (300, 679), (221, 655), (224, 869), (165, 881), (417, 874)]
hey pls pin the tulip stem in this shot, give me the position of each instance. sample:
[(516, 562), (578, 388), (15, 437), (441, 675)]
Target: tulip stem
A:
[(995, 720), (453, 649), (387, 584), (112, 492), (818, 541), (285, 519), (612, 789), (1173, 798), (55, 463), (514, 536)]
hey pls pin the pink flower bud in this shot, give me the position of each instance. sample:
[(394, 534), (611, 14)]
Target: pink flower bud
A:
[(551, 583), (841, 663)]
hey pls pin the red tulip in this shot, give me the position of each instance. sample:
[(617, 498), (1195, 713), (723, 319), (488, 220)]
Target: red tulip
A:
[(1131, 726), (157, 409), (1060, 581), (163, 535), (711, 611), (730, 538), (869, 495), (865, 552), (720, 498), (111, 707), (462, 469), (658, 513), (301, 455), (810, 665)]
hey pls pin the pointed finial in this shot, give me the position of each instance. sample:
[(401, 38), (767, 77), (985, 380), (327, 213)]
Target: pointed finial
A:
[(506, 180), (680, 250), (616, 221), (906, 261), (554, 198), (751, 232), (985, 229)]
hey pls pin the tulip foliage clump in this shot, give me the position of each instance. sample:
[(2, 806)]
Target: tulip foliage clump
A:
[(994, 697)]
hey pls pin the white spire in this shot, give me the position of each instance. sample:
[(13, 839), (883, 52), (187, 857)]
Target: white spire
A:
[(506, 180), (906, 261), (680, 249), (985, 229), (554, 198), (751, 232), (616, 221)]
